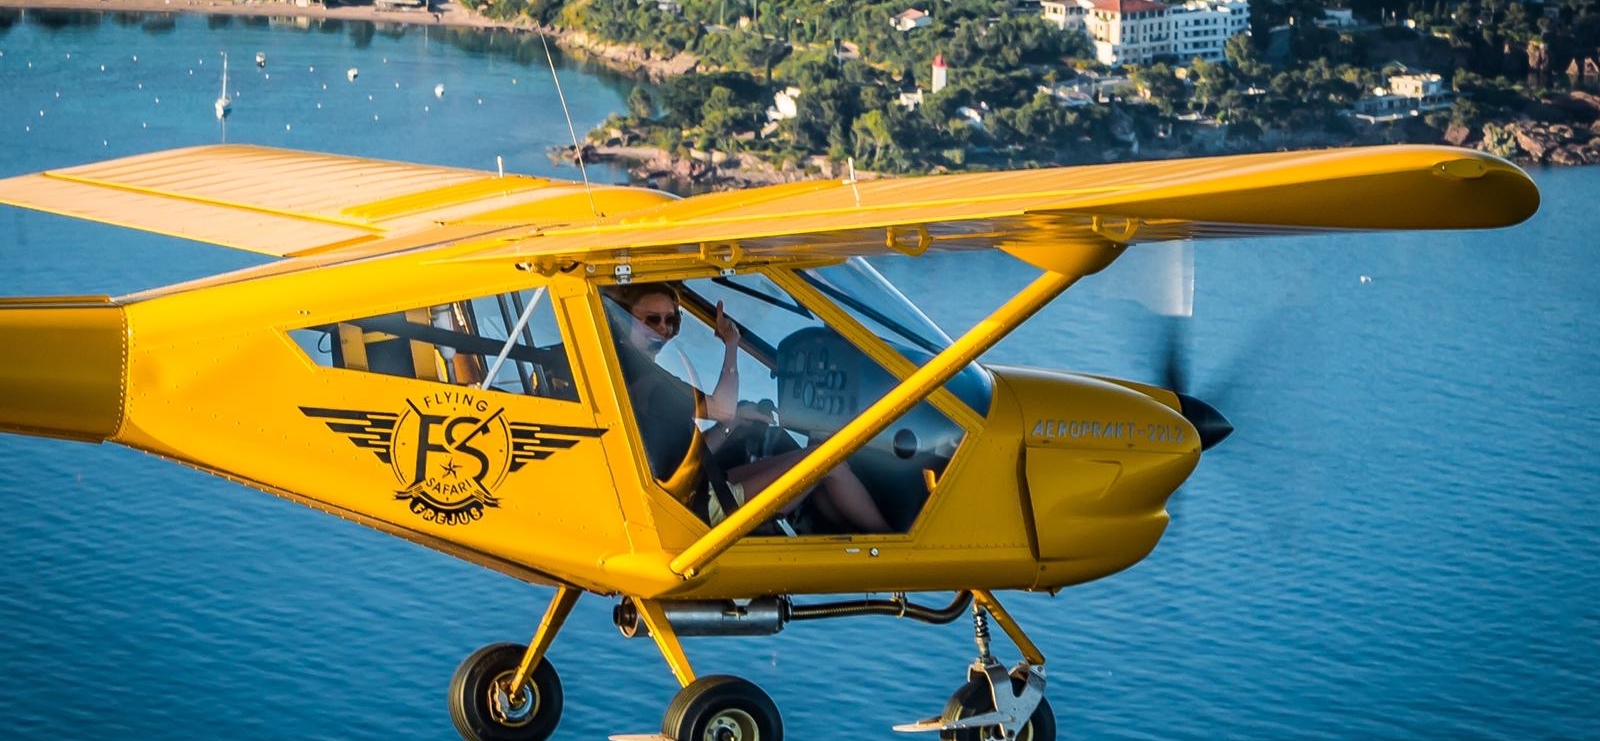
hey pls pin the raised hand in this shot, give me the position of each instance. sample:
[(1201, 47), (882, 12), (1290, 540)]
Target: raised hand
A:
[(726, 329)]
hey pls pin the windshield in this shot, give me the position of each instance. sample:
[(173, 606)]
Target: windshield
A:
[(876, 303), (880, 307), (736, 375)]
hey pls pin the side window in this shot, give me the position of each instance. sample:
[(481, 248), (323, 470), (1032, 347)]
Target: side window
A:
[(510, 339), (799, 382)]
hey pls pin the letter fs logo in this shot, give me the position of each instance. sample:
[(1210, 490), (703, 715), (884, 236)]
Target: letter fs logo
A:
[(449, 450)]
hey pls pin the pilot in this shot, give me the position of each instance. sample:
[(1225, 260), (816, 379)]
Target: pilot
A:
[(646, 316)]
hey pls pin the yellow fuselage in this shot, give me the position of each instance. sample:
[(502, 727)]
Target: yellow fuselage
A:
[(1061, 480)]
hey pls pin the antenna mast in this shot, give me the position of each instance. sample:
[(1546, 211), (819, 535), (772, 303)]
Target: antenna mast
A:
[(577, 151)]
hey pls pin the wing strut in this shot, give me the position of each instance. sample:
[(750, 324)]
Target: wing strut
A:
[(875, 419)]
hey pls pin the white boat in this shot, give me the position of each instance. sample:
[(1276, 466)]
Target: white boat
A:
[(261, 59), (350, 74), (224, 103)]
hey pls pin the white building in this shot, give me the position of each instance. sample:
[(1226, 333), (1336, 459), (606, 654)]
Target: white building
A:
[(1138, 31), (1067, 96), (785, 104), (911, 18), (1407, 95), (1419, 85), (1064, 14), (1201, 28), (1128, 31)]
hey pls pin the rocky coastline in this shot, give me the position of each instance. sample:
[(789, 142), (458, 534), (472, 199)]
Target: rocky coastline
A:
[(1566, 131)]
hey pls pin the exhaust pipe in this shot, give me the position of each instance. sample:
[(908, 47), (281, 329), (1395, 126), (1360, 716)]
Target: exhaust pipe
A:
[(758, 617), (65, 367)]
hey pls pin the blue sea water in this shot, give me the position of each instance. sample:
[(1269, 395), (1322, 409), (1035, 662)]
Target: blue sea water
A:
[(1401, 541)]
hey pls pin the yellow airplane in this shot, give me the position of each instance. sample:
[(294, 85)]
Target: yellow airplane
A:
[(477, 363)]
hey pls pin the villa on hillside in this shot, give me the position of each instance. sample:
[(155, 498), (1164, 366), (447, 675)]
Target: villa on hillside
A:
[(1140, 31), (910, 18), (1407, 95)]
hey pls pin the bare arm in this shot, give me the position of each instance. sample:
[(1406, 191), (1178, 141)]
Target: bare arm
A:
[(723, 404)]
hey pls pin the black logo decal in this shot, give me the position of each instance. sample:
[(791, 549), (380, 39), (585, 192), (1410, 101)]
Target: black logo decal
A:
[(450, 450)]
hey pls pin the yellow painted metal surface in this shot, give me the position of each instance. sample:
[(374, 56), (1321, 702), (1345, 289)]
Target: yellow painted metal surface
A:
[(1100, 460), (1364, 188), (283, 202), (988, 601), (1050, 486), (63, 368), (554, 617), (655, 619)]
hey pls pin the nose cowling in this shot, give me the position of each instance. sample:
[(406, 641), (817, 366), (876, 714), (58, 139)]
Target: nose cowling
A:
[(1212, 427), (64, 367), (1099, 459)]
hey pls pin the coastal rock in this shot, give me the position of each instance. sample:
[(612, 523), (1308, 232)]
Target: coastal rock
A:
[(1582, 104), (632, 57), (1555, 144), (1457, 135), (1536, 144)]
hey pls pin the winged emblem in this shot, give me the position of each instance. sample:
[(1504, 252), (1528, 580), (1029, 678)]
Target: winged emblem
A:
[(449, 451), (372, 431), (536, 442)]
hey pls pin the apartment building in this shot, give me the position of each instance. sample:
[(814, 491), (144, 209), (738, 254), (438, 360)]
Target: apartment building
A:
[(1139, 31)]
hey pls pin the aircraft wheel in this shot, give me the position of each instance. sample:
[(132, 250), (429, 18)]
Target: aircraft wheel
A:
[(534, 710), (974, 698), (722, 708)]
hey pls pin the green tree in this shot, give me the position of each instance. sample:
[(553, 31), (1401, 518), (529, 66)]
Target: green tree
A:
[(1160, 85), (872, 128), (1242, 55), (1211, 82), (640, 104)]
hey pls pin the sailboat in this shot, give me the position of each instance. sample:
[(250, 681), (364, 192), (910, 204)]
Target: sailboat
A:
[(224, 103)]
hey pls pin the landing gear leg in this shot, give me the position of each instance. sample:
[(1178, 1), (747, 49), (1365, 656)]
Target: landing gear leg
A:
[(507, 692), (994, 703), (712, 708)]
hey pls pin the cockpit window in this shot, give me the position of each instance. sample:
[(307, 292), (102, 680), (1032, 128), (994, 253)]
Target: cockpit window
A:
[(506, 342), (876, 303), (880, 307), (798, 382)]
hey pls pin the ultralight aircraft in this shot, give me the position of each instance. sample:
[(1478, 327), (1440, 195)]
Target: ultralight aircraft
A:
[(442, 354)]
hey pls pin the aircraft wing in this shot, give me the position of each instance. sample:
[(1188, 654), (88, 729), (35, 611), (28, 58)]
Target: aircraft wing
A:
[(275, 201), (293, 204), (1370, 188)]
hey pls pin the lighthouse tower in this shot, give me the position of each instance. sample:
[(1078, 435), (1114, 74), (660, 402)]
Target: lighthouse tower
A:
[(939, 72)]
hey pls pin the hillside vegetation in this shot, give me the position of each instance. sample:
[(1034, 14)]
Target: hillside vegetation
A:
[(1291, 82)]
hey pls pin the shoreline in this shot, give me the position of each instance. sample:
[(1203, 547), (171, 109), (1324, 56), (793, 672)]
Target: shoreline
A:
[(441, 13), (444, 13), (1538, 142)]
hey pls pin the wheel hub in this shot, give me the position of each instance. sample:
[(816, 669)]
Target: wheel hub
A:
[(512, 709), (732, 725)]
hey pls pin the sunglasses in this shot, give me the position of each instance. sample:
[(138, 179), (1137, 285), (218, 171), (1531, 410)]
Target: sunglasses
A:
[(670, 320)]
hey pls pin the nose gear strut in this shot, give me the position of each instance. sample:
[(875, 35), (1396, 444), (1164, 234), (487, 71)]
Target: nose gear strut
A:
[(1008, 703)]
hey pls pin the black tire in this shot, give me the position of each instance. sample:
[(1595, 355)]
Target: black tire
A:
[(472, 689), (722, 708), (974, 698)]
